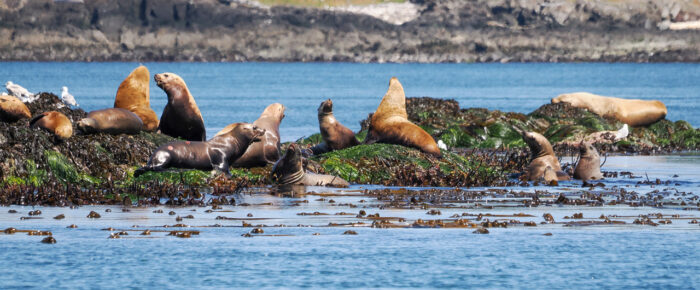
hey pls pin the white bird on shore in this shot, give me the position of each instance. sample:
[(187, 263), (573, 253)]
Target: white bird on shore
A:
[(18, 91), (622, 133), (441, 145), (67, 98)]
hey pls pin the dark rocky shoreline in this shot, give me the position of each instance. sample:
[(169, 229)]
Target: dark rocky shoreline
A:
[(444, 31)]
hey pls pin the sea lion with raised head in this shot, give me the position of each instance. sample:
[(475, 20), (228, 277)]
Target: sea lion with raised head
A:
[(111, 121), (181, 117), (133, 94), (217, 153), (390, 124), (542, 157), (12, 109), (267, 151), (289, 170), (55, 123), (629, 111), (335, 135), (588, 167)]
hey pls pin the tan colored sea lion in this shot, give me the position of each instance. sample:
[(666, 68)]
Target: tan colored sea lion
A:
[(55, 123), (181, 117), (390, 124), (588, 167), (217, 153), (267, 151), (542, 157), (289, 170), (632, 112), (111, 121), (12, 109), (335, 135), (133, 94)]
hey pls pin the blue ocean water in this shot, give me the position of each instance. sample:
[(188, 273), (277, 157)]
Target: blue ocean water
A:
[(238, 92)]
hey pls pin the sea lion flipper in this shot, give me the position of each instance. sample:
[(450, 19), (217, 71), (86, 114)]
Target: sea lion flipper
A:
[(36, 118), (561, 175)]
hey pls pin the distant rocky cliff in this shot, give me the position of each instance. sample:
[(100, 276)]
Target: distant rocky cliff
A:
[(442, 31)]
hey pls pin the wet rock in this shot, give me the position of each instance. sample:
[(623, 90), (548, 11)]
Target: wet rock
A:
[(49, 240), (146, 233), (35, 212), (257, 231), (547, 234), (10, 231), (73, 226), (94, 215), (59, 217), (350, 232), (12, 211), (482, 231)]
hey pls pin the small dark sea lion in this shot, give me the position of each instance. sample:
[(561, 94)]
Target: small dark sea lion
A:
[(289, 170)]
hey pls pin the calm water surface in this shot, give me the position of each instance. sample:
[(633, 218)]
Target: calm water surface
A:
[(235, 92)]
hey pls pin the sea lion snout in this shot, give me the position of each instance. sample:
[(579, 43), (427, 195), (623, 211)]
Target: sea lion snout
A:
[(257, 133), (161, 79), (87, 125), (326, 107)]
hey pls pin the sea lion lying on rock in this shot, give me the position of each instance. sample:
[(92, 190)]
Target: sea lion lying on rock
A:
[(289, 170), (133, 94), (632, 112), (588, 166), (12, 109), (181, 117), (55, 123), (335, 135), (111, 121), (217, 153), (267, 151), (542, 158), (390, 124)]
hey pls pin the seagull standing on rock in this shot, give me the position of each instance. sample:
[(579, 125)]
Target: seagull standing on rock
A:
[(18, 91), (67, 98)]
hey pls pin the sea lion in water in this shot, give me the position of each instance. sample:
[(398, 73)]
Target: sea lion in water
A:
[(588, 167), (12, 109), (217, 153), (133, 94), (335, 135), (111, 121), (181, 117), (390, 124), (267, 151), (632, 112), (542, 157), (289, 170), (55, 123)]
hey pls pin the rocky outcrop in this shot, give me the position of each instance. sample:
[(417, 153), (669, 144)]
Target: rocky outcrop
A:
[(442, 31)]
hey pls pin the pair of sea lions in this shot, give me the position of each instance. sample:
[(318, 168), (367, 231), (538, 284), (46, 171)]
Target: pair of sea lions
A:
[(632, 112), (335, 135), (133, 94), (289, 170), (545, 165)]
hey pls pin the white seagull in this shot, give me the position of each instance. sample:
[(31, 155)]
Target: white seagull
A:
[(441, 145), (622, 133), (67, 98), (18, 91)]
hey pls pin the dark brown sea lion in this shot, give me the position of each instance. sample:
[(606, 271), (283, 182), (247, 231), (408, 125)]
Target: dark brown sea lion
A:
[(390, 124), (632, 112), (181, 117), (289, 170), (588, 167), (335, 135), (133, 94), (217, 153), (55, 123), (111, 121), (12, 109), (542, 157), (267, 151)]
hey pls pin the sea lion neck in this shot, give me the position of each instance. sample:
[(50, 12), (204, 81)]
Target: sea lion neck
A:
[(176, 91), (394, 101)]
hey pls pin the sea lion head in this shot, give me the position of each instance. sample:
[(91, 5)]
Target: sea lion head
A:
[(586, 149), (168, 80), (573, 99), (539, 145), (248, 131), (289, 168), (274, 111), (325, 108), (87, 125)]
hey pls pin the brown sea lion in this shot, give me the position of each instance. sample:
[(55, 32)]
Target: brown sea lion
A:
[(588, 167), (181, 117), (542, 157), (12, 109), (390, 124), (217, 153), (133, 94), (111, 121), (55, 123), (289, 170), (632, 112), (267, 151), (335, 135)]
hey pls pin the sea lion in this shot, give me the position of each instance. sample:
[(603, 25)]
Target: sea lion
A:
[(267, 151), (588, 167), (55, 123), (335, 135), (12, 109), (632, 112), (181, 117), (111, 121), (133, 94), (542, 157), (217, 153), (289, 170), (390, 124)]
